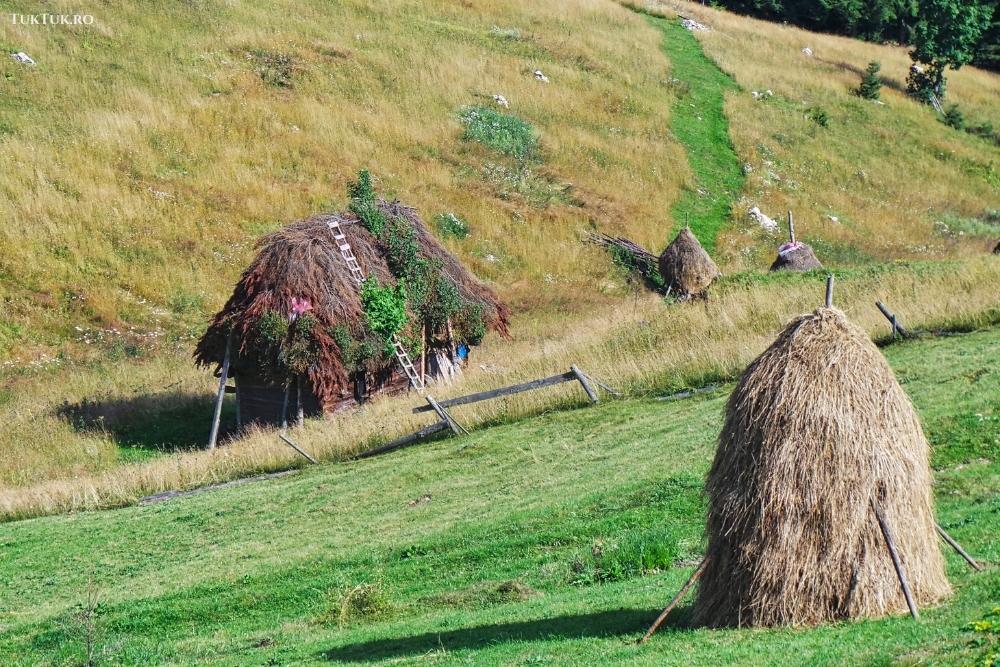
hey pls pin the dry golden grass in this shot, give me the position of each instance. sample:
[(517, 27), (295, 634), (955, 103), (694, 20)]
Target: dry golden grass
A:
[(640, 346), (887, 172)]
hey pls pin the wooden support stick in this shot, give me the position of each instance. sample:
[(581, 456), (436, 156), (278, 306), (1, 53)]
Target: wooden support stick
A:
[(284, 406), (497, 393), (223, 379), (791, 228), (896, 563), (829, 291), (399, 443), (585, 382), (239, 415), (610, 390), (297, 448), (889, 315), (300, 416), (455, 427), (673, 603), (958, 548)]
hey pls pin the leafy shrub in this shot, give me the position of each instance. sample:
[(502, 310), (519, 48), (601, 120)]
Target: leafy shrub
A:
[(953, 117), (364, 203), (450, 225), (871, 83), (633, 266), (504, 133), (385, 307), (299, 350), (819, 116), (274, 69)]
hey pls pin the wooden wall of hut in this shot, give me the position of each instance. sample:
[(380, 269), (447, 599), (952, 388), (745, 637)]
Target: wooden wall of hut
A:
[(260, 402)]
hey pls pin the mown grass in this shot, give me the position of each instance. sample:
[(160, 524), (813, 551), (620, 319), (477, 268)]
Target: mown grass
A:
[(699, 122), (549, 541)]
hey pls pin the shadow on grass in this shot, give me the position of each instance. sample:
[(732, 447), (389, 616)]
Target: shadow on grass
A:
[(151, 423), (610, 623), (887, 81)]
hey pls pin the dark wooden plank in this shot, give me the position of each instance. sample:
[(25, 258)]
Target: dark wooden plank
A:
[(402, 442), (497, 393), (445, 417)]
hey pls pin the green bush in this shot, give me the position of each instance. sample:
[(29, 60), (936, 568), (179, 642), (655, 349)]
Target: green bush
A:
[(871, 83), (953, 117), (450, 225), (364, 203), (819, 116), (504, 133), (385, 307)]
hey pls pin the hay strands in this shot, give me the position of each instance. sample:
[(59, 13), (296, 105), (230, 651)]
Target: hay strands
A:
[(958, 548), (673, 603), (896, 563)]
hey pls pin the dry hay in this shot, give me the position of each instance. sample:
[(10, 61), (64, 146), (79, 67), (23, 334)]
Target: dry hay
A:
[(302, 261), (816, 430), (686, 268), (795, 256)]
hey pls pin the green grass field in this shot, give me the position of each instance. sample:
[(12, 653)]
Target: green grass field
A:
[(554, 540)]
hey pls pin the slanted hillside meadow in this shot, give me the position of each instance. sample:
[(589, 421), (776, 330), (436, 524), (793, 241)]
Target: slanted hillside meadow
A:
[(133, 203)]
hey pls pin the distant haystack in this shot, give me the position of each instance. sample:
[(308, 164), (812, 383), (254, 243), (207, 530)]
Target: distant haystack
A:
[(817, 433), (686, 268), (795, 256)]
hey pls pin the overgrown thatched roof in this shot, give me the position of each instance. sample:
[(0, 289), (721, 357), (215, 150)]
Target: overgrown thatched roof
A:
[(686, 268), (795, 256), (302, 261), (816, 430)]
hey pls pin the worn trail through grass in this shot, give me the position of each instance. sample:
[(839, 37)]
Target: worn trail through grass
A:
[(699, 122)]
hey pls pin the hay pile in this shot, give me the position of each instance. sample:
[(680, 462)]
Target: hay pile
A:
[(302, 262), (686, 268), (816, 429), (795, 256)]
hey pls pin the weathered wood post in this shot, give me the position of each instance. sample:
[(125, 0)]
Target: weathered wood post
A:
[(284, 405), (829, 291), (896, 563), (300, 416), (223, 379), (677, 598), (791, 227), (585, 382), (897, 328)]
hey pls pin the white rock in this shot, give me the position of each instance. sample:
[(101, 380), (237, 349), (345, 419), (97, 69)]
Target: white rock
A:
[(541, 77), (502, 101), (22, 57), (807, 51), (693, 25), (761, 219), (833, 218)]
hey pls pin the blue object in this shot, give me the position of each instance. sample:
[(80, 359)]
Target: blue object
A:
[(463, 351)]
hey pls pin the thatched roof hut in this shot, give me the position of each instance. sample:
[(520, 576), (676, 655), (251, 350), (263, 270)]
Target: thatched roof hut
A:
[(817, 431), (299, 270), (795, 256), (686, 268)]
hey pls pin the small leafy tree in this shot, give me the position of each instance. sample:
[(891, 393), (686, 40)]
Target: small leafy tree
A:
[(871, 83), (953, 117), (946, 35)]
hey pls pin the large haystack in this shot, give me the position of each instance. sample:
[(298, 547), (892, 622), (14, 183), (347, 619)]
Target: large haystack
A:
[(816, 430), (686, 268), (795, 256), (301, 263)]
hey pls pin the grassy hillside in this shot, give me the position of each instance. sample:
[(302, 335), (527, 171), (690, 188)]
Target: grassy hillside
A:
[(550, 541), (132, 204)]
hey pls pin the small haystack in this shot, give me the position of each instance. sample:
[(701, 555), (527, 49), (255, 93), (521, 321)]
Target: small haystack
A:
[(299, 276), (795, 255), (686, 268), (817, 433)]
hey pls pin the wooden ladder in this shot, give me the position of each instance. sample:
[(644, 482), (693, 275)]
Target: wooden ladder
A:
[(359, 277)]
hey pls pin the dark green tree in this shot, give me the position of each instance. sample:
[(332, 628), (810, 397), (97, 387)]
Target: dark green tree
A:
[(871, 82), (947, 34)]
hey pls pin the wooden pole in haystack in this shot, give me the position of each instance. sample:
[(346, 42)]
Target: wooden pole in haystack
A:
[(223, 379), (896, 563), (829, 291), (673, 603)]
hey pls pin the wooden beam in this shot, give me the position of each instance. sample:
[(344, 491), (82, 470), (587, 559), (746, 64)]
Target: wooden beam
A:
[(399, 443), (223, 379), (455, 427), (300, 416), (677, 598), (296, 448), (889, 315), (585, 382), (958, 548), (503, 391), (791, 227), (829, 291), (896, 563), (284, 406)]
